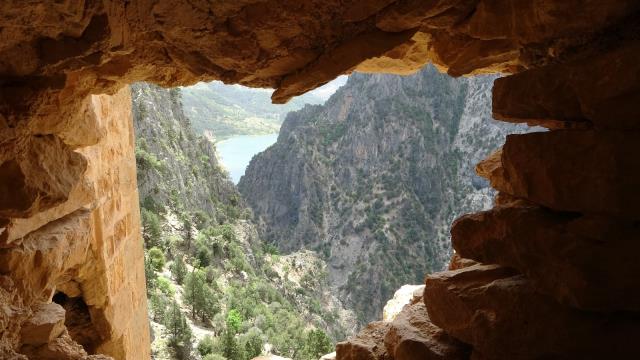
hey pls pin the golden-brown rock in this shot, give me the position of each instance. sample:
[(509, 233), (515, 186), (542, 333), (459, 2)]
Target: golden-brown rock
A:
[(83, 245), (582, 170), (69, 219), (574, 258), (575, 94), (458, 262), (413, 336), (368, 344), (45, 325), (501, 316)]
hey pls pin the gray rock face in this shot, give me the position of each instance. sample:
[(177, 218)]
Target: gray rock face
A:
[(171, 159), (373, 178)]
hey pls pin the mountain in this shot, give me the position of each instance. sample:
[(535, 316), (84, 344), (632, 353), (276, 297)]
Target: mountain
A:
[(214, 287), (372, 179), (221, 111)]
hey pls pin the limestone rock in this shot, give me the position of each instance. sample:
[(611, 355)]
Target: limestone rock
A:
[(574, 258), (407, 294), (87, 243), (575, 94), (329, 356), (501, 316), (368, 344), (46, 324), (59, 348), (583, 170), (270, 357), (458, 262), (413, 336)]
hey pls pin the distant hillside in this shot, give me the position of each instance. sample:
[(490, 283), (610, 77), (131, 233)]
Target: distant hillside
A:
[(373, 179), (220, 111)]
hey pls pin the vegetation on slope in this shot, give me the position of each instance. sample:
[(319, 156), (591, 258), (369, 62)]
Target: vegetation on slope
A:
[(215, 289), (372, 179), (221, 111)]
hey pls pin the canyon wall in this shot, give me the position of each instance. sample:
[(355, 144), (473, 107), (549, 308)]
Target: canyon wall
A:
[(84, 251), (373, 179), (575, 68)]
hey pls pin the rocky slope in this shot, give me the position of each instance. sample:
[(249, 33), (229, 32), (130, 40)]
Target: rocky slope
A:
[(373, 179), (192, 215), (176, 168)]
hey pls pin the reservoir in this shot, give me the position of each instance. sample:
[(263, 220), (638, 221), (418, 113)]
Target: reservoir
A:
[(236, 153)]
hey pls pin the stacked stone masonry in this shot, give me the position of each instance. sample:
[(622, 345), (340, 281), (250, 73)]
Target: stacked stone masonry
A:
[(548, 273)]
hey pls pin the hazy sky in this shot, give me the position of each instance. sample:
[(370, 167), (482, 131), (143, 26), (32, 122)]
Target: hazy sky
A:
[(326, 90)]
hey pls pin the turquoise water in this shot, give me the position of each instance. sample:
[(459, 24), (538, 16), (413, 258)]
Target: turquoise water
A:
[(236, 152)]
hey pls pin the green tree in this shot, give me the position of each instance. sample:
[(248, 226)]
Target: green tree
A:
[(199, 296), (206, 346), (316, 344), (234, 320), (158, 304), (230, 347), (149, 274), (151, 230), (179, 269), (179, 331), (253, 342), (156, 257)]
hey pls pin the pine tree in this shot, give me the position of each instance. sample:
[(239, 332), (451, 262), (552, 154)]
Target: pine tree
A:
[(158, 304), (151, 230), (179, 269), (179, 331), (199, 296), (316, 344), (230, 347), (149, 274)]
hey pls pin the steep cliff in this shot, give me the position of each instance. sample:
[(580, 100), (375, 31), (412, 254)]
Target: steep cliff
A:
[(74, 286), (373, 178), (176, 167), (204, 256)]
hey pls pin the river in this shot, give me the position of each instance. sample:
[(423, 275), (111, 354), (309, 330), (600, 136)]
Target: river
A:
[(236, 152)]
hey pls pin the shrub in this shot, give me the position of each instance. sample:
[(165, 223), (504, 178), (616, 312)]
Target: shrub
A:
[(157, 258), (206, 346), (165, 286), (179, 269)]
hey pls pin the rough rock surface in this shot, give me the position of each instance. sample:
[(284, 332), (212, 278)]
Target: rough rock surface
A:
[(367, 345), (46, 324), (66, 156), (412, 335), (597, 173), (403, 296), (539, 242), (409, 335), (88, 247), (501, 315)]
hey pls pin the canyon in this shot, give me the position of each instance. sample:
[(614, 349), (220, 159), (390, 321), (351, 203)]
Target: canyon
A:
[(565, 210), (372, 179)]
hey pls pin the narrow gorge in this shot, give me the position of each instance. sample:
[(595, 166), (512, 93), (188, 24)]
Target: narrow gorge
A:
[(372, 179), (547, 271)]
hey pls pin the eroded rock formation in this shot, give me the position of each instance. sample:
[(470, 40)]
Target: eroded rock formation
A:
[(68, 203), (84, 245)]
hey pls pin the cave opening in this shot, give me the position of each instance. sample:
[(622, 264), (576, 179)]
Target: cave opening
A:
[(69, 199), (78, 321)]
